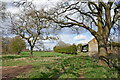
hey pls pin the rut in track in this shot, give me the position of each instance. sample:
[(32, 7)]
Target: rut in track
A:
[(13, 71), (81, 73), (59, 74)]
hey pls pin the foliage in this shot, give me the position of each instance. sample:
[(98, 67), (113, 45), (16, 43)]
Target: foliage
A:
[(66, 49), (17, 45)]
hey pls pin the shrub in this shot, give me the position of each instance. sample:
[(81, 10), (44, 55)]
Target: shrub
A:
[(66, 49), (79, 47), (17, 45)]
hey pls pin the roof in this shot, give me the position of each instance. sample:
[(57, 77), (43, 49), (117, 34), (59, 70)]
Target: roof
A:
[(92, 40)]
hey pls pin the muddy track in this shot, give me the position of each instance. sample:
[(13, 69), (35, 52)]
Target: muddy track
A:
[(64, 68), (82, 72), (11, 72)]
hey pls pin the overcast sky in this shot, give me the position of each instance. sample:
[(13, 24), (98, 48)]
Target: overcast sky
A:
[(66, 34)]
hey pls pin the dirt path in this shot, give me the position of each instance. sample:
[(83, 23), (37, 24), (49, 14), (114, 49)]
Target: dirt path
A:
[(10, 72), (61, 72), (82, 73)]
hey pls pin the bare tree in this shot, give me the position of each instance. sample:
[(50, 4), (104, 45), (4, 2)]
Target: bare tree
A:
[(97, 18), (2, 10), (6, 45), (30, 27)]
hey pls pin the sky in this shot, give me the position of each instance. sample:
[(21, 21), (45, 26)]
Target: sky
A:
[(66, 34)]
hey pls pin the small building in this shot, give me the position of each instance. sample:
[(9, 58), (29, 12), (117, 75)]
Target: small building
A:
[(93, 45), (84, 48)]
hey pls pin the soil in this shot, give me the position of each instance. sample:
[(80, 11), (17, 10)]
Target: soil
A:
[(82, 72), (10, 72), (61, 72)]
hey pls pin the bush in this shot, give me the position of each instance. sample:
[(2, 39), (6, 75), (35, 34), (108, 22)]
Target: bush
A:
[(67, 49), (17, 45), (79, 47)]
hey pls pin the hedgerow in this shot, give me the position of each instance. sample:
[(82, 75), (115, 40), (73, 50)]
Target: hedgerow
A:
[(66, 49)]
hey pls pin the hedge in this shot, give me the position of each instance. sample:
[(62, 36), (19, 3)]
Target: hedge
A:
[(68, 49)]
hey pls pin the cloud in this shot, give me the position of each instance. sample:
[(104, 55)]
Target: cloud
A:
[(83, 41), (38, 3), (65, 37), (86, 40), (49, 45), (46, 41), (80, 37), (12, 10)]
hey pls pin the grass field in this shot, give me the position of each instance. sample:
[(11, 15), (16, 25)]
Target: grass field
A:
[(57, 65)]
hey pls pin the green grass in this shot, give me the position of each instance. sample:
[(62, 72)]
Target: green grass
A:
[(46, 54), (35, 54), (50, 64), (92, 70), (39, 58)]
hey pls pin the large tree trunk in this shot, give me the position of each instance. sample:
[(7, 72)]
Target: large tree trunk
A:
[(102, 35), (102, 48), (31, 52)]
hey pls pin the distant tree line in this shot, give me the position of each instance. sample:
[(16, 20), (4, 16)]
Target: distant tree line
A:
[(13, 45)]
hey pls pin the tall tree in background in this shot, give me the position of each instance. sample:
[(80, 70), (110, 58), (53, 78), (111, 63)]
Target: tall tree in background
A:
[(17, 45), (6, 45), (2, 10), (30, 26), (98, 18)]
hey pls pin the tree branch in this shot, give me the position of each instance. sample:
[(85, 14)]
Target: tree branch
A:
[(83, 25), (116, 16), (92, 3), (110, 3), (87, 15), (68, 7)]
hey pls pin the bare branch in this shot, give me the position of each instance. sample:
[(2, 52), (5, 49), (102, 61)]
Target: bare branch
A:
[(92, 3), (110, 3), (86, 14), (116, 16), (83, 25)]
